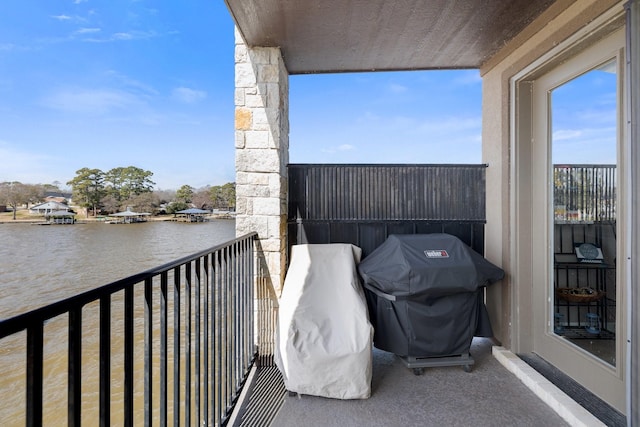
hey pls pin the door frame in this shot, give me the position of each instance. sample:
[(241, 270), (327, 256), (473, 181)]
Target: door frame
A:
[(525, 196)]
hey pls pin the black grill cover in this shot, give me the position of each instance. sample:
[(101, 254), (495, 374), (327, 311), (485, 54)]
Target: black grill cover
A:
[(424, 294)]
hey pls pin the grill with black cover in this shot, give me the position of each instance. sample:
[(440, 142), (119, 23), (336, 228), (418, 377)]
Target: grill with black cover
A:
[(425, 298)]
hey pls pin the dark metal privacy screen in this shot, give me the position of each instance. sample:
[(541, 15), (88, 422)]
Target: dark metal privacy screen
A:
[(363, 204), (387, 192)]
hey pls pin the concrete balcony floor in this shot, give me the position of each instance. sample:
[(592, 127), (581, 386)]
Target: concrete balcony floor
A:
[(494, 393)]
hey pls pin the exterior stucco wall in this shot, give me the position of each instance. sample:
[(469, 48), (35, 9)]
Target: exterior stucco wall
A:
[(541, 36), (262, 154)]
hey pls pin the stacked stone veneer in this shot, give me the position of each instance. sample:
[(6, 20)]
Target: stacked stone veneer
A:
[(262, 153)]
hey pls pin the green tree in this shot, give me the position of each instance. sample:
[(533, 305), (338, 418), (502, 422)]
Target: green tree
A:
[(53, 188), (34, 193), (88, 188), (124, 183), (202, 198), (185, 194), (110, 204), (145, 202), (15, 194), (224, 196), (174, 207)]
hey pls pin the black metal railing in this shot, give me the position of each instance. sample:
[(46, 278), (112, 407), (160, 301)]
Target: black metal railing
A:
[(584, 192), (174, 342)]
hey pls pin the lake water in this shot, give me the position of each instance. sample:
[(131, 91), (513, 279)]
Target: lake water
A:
[(43, 264)]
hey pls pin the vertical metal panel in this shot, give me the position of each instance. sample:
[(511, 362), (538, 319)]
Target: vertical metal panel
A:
[(343, 232), (238, 318), (198, 339), (229, 328), (387, 192), (363, 204), (217, 335), (148, 352), (74, 386), (188, 343), (128, 357), (176, 347), (105, 361), (163, 348), (208, 290), (35, 356)]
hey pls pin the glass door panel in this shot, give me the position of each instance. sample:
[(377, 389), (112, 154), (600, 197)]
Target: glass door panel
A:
[(583, 133)]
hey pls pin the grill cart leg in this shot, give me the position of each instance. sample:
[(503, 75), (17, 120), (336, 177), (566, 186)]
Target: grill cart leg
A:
[(419, 363)]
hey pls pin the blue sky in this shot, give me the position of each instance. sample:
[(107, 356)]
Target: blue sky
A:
[(104, 84)]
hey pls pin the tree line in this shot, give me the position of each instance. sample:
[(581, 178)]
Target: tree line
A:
[(113, 191)]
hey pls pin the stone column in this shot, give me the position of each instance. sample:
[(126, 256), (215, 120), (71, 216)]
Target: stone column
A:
[(262, 154)]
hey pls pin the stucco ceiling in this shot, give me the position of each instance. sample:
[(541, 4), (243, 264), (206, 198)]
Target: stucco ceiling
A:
[(319, 36)]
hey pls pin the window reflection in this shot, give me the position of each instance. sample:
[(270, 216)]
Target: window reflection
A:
[(584, 156)]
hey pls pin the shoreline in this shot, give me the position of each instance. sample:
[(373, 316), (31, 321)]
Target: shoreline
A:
[(41, 220)]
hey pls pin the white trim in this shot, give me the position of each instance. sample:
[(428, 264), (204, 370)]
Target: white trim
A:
[(632, 53), (561, 403), (521, 105)]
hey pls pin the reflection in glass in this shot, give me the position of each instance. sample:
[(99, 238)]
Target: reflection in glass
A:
[(584, 156)]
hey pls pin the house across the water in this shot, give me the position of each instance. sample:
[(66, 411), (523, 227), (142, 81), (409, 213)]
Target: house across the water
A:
[(48, 208)]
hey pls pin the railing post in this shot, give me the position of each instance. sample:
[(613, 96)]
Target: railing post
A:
[(148, 353), (198, 339), (74, 386), (187, 334), (34, 374), (128, 357), (205, 375), (176, 346), (217, 334), (105, 361), (163, 349)]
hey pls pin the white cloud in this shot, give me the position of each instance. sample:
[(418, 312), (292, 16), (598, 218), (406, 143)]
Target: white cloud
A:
[(62, 17), (90, 101), (339, 148), (131, 84), (187, 95), (122, 36), (397, 88), (88, 30), (566, 134)]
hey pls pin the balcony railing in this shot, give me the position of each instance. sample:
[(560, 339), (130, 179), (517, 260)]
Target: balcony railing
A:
[(172, 343), (584, 193)]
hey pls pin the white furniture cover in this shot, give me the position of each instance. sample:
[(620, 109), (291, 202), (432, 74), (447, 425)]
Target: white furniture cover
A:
[(325, 339)]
